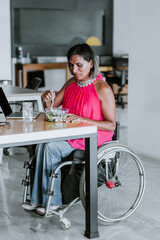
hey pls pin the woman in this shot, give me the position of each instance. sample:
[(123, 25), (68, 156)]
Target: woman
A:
[(89, 99)]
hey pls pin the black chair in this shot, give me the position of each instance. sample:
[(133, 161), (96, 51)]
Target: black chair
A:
[(34, 83), (119, 76)]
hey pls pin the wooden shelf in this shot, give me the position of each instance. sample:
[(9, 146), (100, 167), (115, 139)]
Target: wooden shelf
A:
[(37, 67)]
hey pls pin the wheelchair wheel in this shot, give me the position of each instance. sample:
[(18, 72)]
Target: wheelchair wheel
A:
[(121, 182)]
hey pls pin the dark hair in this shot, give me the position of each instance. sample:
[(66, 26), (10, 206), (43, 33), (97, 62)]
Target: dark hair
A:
[(87, 53)]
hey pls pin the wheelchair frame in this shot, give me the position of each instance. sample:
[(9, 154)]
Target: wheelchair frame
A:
[(111, 179)]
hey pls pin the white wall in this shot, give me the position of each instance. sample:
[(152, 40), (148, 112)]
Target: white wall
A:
[(121, 27), (144, 77), (142, 41), (5, 41)]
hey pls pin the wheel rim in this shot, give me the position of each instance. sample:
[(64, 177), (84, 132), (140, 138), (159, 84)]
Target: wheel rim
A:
[(118, 203), (115, 204)]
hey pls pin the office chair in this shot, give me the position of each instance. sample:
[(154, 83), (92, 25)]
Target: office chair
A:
[(32, 84), (119, 77)]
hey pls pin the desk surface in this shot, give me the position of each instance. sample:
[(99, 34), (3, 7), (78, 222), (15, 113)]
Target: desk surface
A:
[(22, 94), (122, 68), (21, 133), (13, 91), (105, 68)]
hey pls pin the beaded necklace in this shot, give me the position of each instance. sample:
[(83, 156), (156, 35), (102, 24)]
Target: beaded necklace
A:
[(85, 83)]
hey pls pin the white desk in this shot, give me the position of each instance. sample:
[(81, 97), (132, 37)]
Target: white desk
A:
[(22, 133), (15, 94)]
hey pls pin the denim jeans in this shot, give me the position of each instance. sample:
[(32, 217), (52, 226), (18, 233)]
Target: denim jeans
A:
[(48, 157)]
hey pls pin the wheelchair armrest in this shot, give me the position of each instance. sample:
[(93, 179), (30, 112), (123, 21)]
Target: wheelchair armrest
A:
[(116, 132)]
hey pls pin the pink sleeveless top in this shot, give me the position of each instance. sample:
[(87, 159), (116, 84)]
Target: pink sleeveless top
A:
[(84, 102)]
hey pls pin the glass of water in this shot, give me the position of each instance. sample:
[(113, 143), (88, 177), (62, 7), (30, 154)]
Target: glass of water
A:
[(27, 111)]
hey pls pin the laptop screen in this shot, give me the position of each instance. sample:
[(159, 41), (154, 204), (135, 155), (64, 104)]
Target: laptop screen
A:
[(4, 103)]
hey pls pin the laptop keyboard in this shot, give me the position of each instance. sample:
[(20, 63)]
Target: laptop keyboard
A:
[(16, 114), (19, 115)]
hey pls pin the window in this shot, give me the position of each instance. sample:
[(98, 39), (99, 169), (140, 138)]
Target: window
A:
[(49, 28)]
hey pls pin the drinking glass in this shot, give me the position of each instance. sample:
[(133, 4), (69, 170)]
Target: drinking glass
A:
[(27, 111)]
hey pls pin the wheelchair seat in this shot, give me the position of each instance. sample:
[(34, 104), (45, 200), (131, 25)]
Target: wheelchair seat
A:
[(75, 155), (80, 154)]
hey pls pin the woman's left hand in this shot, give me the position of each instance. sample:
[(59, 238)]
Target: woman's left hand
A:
[(73, 118)]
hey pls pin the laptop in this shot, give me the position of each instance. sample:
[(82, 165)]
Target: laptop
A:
[(7, 110)]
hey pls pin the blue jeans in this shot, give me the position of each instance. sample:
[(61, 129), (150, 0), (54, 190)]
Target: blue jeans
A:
[(48, 157)]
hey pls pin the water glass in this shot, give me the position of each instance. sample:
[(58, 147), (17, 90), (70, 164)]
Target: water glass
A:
[(27, 111)]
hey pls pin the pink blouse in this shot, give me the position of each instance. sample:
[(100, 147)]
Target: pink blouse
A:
[(84, 102)]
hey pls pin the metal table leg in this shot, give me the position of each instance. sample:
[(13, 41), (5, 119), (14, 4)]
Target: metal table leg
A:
[(91, 187)]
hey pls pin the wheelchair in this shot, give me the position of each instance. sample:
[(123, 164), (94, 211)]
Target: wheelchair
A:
[(121, 182)]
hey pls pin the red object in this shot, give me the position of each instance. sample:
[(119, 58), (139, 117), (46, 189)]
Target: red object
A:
[(110, 184)]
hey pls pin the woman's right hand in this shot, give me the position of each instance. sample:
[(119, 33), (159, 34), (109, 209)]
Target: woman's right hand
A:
[(48, 96)]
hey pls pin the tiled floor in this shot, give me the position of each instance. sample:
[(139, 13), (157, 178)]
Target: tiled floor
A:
[(16, 224)]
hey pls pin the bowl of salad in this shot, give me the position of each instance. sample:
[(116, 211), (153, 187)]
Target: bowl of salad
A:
[(56, 114)]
